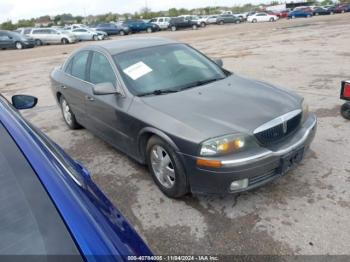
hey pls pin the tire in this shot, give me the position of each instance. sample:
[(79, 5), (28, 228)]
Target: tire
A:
[(95, 38), (162, 157), (317, 14), (254, 21), (293, 17), (238, 21), (203, 24), (308, 16), (332, 13), (272, 20), (194, 27), (121, 32), (38, 42), (342, 11), (149, 30), (19, 45), (345, 110), (173, 28), (64, 41), (221, 22), (68, 116)]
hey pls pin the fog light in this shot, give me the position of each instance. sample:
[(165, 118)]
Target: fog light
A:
[(239, 184)]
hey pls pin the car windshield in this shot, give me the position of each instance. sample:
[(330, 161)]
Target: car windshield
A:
[(166, 68)]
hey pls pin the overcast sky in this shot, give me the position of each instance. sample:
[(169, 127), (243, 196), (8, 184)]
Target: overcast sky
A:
[(19, 9)]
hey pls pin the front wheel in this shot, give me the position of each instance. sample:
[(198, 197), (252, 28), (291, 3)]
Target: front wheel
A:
[(221, 22), (95, 38), (254, 20), (68, 115), (238, 21), (194, 27), (173, 28), (38, 42), (271, 19), (345, 110), (149, 30), (19, 45), (64, 41), (166, 168), (203, 24)]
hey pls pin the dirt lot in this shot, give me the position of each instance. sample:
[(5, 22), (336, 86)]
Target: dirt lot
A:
[(304, 212)]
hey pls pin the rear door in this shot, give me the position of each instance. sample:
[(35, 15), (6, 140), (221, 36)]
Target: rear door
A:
[(75, 87)]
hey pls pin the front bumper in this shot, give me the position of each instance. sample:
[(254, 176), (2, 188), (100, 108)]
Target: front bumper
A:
[(260, 167)]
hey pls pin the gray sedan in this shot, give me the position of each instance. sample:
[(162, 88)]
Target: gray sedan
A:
[(198, 127)]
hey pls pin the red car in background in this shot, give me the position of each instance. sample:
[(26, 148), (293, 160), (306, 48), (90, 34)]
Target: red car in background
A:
[(345, 95), (281, 14)]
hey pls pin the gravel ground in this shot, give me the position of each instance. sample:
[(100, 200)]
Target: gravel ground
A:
[(305, 212)]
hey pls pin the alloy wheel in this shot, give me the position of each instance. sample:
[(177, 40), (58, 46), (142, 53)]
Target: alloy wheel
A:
[(19, 45), (66, 112), (162, 166)]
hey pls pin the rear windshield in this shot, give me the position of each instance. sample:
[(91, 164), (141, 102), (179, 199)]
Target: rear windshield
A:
[(29, 221)]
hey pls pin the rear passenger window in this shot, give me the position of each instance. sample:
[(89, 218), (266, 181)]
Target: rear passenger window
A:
[(79, 62), (101, 70)]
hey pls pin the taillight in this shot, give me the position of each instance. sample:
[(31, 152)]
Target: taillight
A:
[(346, 90)]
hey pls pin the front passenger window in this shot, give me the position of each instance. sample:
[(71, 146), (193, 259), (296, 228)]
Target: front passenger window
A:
[(101, 70)]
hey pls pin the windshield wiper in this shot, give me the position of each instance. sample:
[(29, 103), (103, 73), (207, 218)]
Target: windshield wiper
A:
[(200, 83), (159, 92)]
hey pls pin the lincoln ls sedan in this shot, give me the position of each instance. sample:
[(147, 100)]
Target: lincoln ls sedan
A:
[(198, 127)]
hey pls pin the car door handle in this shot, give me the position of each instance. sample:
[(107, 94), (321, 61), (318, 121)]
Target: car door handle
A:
[(89, 98)]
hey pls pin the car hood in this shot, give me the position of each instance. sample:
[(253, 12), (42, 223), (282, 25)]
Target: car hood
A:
[(234, 104)]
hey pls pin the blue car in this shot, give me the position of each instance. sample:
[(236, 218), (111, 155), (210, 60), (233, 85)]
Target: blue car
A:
[(299, 13), (140, 26), (49, 206)]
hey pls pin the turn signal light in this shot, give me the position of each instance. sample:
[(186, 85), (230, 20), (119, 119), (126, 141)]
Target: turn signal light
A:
[(208, 163)]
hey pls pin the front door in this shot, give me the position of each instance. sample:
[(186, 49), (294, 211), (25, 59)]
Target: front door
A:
[(107, 114)]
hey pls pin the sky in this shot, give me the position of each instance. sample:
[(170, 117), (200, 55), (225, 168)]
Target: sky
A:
[(24, 9)]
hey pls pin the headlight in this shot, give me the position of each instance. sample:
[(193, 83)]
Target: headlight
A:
[(305, 114), (223, 145)]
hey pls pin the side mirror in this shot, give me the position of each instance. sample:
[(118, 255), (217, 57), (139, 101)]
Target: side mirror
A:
[(218, 61), (105, 89), (24, 101)]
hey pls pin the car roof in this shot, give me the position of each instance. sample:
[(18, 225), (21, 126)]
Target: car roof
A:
[(120, 46)]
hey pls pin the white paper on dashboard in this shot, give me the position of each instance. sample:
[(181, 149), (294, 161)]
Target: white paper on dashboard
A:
[(137, 70)]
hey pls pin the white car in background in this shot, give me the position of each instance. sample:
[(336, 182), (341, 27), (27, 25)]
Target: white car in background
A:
[(262, 17), (84, 34), (162, 22), (201, 21), (211, 19)]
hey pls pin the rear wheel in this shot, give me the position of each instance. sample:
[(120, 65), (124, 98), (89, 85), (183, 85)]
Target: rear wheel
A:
[(19, 45), (271, 19), (221, 22), (166, 168), (149, 30), (121, 32), (254, 20), (95, 38), (194, 27), (203, 24), (293, 17), (345, 111), (68, 115), (173, 28), (238, 21)]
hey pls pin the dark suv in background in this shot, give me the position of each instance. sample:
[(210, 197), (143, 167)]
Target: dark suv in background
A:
[(10, 39), (140, 26), (112, 29), (181, 22), (223, 19)]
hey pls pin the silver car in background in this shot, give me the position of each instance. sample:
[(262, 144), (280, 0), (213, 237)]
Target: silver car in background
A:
[(52, 36)]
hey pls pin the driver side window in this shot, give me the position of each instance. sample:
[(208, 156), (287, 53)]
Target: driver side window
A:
[(101, 70)]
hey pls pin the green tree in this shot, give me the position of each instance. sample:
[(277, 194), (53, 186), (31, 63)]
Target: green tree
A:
[(8, 26)]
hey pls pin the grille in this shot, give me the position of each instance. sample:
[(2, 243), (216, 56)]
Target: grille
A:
[(262, 178), (277, 133)]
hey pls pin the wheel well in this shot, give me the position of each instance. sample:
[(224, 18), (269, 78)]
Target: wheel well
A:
[(143, 140), (58, 96)]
